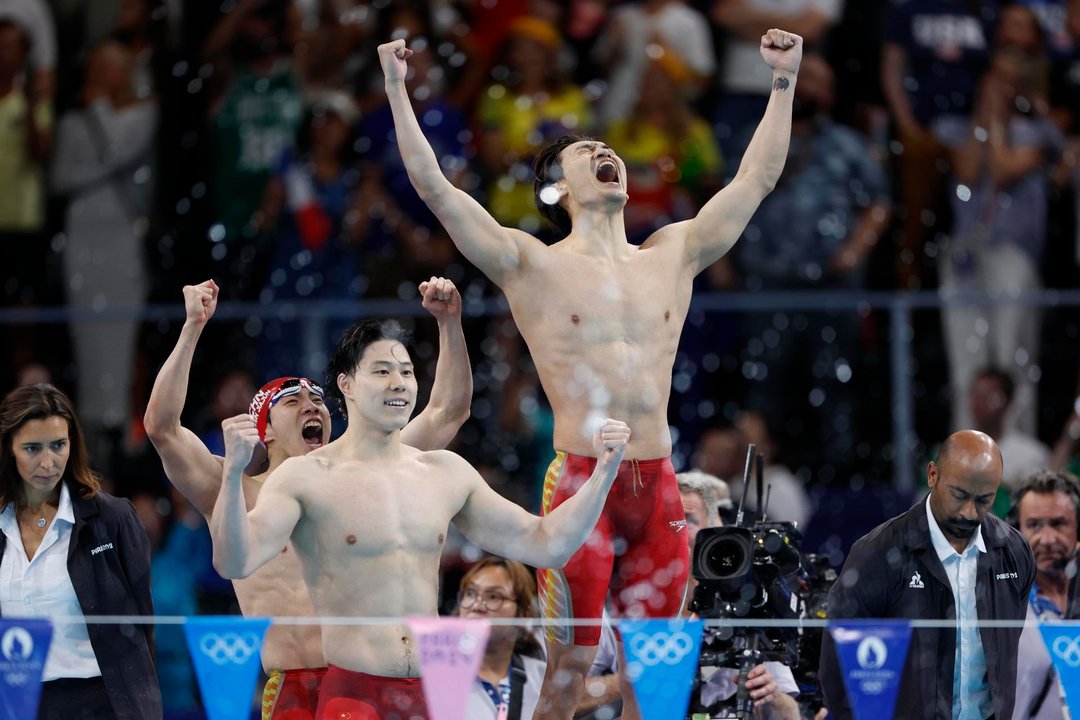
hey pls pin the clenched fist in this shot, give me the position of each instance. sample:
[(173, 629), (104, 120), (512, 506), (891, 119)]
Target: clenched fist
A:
[(200, 302), (782, 50), (241, 437), (441, 298), (392, 56), (610, 441)]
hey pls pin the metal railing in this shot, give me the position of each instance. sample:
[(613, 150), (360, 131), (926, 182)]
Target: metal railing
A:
[(899, 307)]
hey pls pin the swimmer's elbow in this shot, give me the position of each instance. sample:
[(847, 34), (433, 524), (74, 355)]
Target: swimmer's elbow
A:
[(150, 423), (557, 552), (432, 187), (156, 427), (458, 416), (761, 182), (230, 567)]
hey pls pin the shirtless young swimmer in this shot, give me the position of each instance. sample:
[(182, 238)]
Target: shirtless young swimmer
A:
[(368, 518), (602, 320), (296, 423)]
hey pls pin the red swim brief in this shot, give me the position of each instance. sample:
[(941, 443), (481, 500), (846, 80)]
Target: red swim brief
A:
[(359, 696), (638, 549), (292, 694)]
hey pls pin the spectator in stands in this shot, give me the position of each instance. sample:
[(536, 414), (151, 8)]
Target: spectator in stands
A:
[(1065, 110), (512, 671), (518, 117), (788, 500), (25, 139), (815, 230), (103, 164), (991, 397), (1052, 16), (744, 88), (311, 204), (397, 233), (255, 117), (36, 20), (721, 451), (1066, 452), (638, 33), (934, 54), (1001, 159), (142, 26)]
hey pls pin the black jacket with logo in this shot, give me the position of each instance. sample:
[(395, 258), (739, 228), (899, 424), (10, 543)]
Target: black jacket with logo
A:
[(109, 566), (894, 572)]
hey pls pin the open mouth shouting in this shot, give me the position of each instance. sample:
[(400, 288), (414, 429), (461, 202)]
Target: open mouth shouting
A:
[(312, 432), (607, 172)]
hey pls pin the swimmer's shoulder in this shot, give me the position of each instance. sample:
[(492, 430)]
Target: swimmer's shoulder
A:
[(440, 459), (301, 466)]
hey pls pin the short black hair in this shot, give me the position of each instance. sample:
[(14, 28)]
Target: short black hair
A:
[(350, 349), (1047, 481), (547, 170), (1004, 379)]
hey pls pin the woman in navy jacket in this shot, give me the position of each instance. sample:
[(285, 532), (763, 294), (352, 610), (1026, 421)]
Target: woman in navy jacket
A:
[(69, 549)]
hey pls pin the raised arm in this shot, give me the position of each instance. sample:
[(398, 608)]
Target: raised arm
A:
[(451, 395), (245, 541), (492, 248), (501, 527), (188, 463), (893, 68), (722, 219), (988, 148), (85, 159)]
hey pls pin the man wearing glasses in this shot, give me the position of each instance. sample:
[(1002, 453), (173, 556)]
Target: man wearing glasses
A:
[(292, 419)]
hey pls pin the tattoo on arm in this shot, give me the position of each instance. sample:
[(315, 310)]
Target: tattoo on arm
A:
[(781, 84)]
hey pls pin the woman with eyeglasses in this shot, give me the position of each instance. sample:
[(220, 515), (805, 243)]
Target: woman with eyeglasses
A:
[(67, 549), (508, 683)]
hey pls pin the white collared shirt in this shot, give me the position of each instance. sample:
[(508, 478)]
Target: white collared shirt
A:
[(971, 688), (42, 588)]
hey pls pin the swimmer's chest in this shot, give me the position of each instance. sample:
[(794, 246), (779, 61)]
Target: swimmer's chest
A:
[(601, 306), (378, 513)]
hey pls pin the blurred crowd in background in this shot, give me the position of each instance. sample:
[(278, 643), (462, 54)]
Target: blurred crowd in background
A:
[(148, 144)]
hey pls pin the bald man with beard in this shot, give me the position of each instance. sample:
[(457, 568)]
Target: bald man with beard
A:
[(947, 558)]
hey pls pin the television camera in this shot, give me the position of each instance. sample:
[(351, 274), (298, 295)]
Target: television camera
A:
[(746, 575)]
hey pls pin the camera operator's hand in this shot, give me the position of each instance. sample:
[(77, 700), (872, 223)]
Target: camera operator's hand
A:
[(762, 686), (769, 703)]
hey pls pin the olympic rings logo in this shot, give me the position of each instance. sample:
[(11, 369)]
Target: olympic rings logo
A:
[(1068, 649), (229, 648), (661, 647)]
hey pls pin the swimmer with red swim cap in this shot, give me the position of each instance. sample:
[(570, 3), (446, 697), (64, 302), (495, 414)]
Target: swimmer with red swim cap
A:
[(291, 418)]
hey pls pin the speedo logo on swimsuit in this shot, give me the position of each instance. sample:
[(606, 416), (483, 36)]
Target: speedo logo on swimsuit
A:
[(677, 524), (101, 548)]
